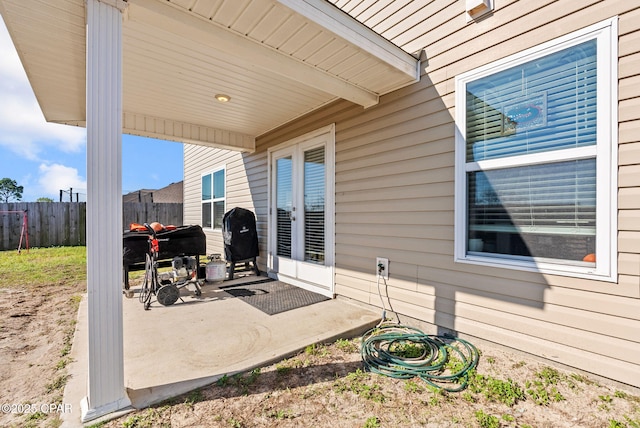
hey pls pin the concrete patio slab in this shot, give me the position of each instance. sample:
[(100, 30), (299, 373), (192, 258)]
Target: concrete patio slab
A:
[(170, 350)]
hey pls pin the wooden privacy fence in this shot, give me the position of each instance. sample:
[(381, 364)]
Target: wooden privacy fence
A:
[(51, 224), (141, 212)]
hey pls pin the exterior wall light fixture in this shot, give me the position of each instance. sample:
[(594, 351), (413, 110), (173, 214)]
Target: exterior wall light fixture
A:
[(477, 8)]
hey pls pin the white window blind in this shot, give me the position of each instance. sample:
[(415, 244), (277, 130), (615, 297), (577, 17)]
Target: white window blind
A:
[(541, 210), (314, 195), (284, 205), (535, 170), (545, 104), (546, 210)]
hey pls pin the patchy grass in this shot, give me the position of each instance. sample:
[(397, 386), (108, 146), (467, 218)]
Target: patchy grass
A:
[(496, 390), (325, 385), (41, 267)]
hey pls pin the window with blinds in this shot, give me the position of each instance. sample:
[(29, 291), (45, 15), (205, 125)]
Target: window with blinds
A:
[(542, 105), (537, 211), (532, 135), (213, 199)]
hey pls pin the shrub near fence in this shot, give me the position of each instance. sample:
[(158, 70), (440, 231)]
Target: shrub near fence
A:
[(52, 224)]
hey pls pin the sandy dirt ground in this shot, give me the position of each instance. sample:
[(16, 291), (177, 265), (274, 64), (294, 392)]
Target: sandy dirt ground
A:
[(326, 387), (36, 331), (320, 387)]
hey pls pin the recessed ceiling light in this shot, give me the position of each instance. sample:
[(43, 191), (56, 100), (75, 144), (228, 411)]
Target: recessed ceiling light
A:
[(222, 98)]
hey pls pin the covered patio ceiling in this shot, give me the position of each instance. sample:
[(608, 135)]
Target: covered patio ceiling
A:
[(275, 59)]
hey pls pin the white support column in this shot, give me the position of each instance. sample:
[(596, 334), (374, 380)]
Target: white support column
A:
[(105, 388)]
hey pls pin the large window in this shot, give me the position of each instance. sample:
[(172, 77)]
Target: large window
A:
[(213, 199), (535, 173)]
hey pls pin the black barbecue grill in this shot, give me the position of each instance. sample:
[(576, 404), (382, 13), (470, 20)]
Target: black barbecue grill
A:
[(240, 240)]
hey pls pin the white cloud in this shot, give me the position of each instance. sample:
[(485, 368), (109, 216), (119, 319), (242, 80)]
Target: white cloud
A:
[(10, 66), (55, 177), (23, 129)]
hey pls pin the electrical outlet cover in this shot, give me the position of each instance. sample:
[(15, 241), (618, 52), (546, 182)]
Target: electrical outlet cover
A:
[(385, 264)]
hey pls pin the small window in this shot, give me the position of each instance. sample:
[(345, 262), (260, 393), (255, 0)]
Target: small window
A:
[(213, 199), (534, 170)]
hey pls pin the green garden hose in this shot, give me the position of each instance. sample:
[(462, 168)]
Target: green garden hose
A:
[(404, 352)]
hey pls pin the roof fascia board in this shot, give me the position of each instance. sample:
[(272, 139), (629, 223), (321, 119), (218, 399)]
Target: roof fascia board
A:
[(167, 129), (170, 18), (344, 26)]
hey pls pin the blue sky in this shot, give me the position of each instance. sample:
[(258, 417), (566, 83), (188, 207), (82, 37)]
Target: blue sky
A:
[(46, 157)]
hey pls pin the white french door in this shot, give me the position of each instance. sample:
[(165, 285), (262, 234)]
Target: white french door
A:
[(301, 213)]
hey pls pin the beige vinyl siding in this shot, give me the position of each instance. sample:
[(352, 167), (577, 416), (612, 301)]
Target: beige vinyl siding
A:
[(394, 165), (395, 189), (629, 151), (246, 187)]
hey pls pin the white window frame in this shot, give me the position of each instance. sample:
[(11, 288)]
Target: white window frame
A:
[(606, 35), (213, 200)]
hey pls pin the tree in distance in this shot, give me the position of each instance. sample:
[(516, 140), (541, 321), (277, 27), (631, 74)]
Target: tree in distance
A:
[(9, 190)]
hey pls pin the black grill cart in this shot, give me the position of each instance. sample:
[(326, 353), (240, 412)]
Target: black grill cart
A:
[(183, 241), (240, 239)]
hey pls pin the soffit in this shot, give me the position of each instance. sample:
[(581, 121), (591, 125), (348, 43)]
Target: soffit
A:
[(276, 59)]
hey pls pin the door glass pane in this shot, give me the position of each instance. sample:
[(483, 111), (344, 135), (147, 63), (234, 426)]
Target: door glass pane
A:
[(314, 191), (284, 205)]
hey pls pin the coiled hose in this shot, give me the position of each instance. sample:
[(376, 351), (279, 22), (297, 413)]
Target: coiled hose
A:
[(404, 352)]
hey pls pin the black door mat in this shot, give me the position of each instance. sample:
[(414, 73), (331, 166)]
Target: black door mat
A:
[(273, 297)]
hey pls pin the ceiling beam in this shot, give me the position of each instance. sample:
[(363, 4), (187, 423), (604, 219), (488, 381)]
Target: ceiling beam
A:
[(164, 16), (166, 129), (349, 29)]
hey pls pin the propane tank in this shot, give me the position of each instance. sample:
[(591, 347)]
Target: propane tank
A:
[(216, 269)]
